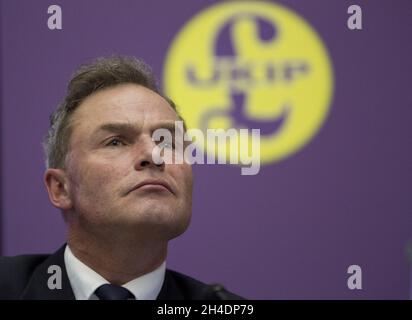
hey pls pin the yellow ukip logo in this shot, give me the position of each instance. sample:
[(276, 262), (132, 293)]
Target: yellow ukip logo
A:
[(254, 65)]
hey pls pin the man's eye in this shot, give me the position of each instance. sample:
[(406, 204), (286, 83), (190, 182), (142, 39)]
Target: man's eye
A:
[(114, 143)]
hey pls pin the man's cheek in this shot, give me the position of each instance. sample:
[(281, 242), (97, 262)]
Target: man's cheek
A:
[(94, 184)]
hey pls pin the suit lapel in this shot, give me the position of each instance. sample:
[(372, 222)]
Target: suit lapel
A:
[(37, 288), (170, 290)]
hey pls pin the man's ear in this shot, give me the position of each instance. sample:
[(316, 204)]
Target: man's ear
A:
[(58, 188)]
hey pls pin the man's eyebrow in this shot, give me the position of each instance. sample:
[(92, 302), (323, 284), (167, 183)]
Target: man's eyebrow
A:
[(129, 127), (171, 126), (116, 128)]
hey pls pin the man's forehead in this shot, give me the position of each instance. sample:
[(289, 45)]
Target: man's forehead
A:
[(125, 94), (130, 104)]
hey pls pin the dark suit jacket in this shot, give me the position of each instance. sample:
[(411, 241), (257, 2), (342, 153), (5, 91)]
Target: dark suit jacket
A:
[(26, 277)]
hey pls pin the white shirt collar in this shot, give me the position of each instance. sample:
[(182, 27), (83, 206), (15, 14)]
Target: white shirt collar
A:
[(85, 281)]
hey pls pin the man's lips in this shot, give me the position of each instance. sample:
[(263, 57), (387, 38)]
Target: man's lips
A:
[(153, 182)]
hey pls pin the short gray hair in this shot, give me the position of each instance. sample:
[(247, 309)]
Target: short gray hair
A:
[(101, 73)]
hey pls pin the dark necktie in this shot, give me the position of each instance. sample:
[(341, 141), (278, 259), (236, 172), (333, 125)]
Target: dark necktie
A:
[(113, 292)]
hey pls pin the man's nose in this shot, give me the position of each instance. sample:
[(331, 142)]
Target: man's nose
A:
[(144, 154)]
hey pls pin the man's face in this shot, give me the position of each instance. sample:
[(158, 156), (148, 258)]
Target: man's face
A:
[(110, 155)]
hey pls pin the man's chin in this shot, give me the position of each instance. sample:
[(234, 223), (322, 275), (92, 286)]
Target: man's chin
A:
[(159, 224)]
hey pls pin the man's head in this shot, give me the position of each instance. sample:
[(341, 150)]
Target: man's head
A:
[(99, 153)]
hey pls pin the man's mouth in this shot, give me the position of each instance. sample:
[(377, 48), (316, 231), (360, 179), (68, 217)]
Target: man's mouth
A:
[(154, 185)]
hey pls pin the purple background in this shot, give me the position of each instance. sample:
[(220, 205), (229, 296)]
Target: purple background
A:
[(289, 232)]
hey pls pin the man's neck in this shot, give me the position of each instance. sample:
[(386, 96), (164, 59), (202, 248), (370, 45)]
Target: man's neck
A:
[(117, 260)]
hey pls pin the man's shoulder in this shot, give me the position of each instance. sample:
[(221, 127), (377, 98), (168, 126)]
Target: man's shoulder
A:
[(193, 289), (25, 277), (15, 272)]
